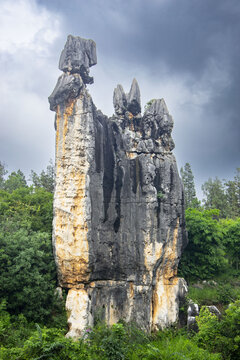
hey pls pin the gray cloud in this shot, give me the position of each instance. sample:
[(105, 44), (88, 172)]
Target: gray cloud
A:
[(186, 52)]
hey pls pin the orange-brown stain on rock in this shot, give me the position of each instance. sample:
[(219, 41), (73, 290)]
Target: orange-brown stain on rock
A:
[(67, 113), (166, 280), (131, 289), (131, 155), (71, 228)]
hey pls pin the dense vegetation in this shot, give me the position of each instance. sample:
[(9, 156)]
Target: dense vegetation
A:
[(213, 229), (32, 317)]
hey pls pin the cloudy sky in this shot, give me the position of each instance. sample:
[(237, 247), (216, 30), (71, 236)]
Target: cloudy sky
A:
[(185, 51)]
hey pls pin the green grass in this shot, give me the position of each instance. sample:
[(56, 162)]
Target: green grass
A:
[(178, 348), (221, 294)]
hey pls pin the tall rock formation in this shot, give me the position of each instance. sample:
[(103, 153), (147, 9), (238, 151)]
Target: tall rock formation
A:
[(118, 229)]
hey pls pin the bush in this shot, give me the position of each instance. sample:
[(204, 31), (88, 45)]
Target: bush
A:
[(220, 335), (47, 344), (204, 256), (110, 343)]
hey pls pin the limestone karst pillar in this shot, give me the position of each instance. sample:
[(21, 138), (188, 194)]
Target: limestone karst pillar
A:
[(118, 229)]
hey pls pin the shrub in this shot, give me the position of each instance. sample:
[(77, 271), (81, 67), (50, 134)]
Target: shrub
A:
[(204, 256), (220, 335)]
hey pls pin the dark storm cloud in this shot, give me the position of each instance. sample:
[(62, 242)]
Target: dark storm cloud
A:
[(188, 50), (186, 36)]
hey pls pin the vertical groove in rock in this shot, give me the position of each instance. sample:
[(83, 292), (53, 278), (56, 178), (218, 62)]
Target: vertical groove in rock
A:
[(119, 228)]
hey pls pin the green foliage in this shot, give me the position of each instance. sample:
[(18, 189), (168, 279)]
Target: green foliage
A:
[(4, 321), (220, 335), (160, 195), (28, 281), (208, 325), (207, 294), (203, 257), (110, 343), (232, 189), (46, 179), (47, 344), (191, 200), (120, 341), (231, 240), (15, 181), (169, 346), (27, 273), (3, 172), (148, 104), (27, 268), (223, 195), (26, 208)]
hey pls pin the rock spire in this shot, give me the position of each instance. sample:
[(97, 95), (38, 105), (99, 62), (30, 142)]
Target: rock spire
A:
[(119, 228)]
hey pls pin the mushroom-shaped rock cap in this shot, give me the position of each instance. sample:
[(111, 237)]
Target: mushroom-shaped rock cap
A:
[(78, 54)]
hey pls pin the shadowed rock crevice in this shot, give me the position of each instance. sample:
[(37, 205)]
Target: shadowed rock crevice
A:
[(119, 228)]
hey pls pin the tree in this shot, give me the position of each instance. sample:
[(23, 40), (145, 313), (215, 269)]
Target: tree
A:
[(220, 336), (231, 241), (232, 189), (203, 257), (189, 187), (46, 179), (27, 273), (215, 196), (3, 172), (15, 181), (27, 268)]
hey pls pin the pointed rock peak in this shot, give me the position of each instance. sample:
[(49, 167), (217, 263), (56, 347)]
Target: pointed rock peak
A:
[(134, 98), (119, 100), (134, 91), (163, 107), (156, 106), (78, 56)]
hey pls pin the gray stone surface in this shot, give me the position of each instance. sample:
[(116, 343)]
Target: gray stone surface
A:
[(192, 324), (119, 227), (193, 309), (67, 88), (133, 98), (214, 310), (130, 103), (78, 56), (192, 313), (119, 100)]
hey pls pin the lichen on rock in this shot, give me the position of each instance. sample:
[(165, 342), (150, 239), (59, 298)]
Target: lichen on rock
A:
[(119, 228)]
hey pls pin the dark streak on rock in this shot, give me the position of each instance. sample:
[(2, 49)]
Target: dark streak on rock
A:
[(118, 186)]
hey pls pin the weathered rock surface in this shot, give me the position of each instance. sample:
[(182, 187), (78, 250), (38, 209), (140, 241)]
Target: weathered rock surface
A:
[(78, 56), (192, 313), (119, 229)]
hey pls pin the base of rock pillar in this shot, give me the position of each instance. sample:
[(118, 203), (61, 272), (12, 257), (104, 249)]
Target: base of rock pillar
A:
[(110, 301), (166, 298)]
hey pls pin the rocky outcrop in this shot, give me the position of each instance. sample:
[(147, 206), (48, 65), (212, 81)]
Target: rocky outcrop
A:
[(193, 312), (119, 229)]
